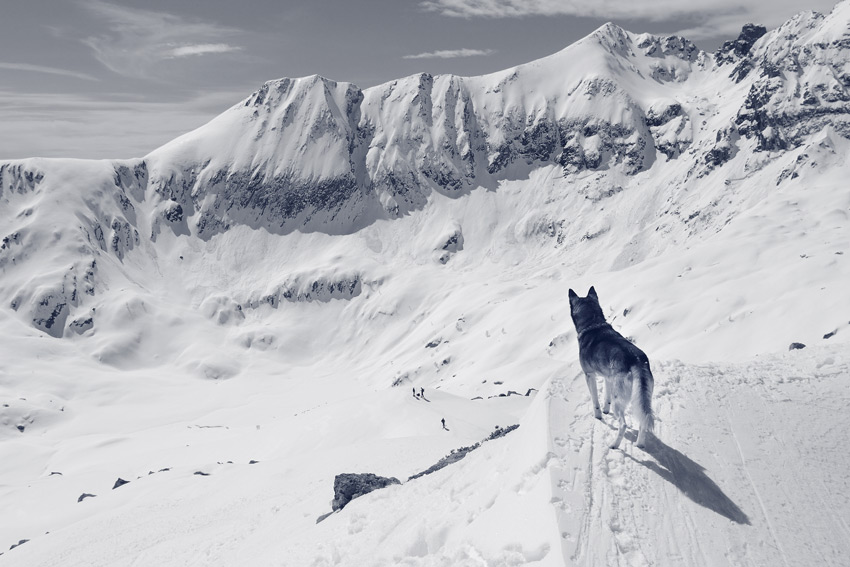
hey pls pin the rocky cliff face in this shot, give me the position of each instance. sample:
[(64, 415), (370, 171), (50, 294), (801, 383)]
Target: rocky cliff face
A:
[(801, 82), (311, 154)]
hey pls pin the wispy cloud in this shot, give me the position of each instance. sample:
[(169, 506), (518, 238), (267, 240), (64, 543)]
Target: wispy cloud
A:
[(48, 70), (203, 49), (450, 54), (134, 41), (708, 17), (656, 10)]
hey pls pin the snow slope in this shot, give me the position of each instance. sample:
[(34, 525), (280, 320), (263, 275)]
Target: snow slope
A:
[(271, 286)]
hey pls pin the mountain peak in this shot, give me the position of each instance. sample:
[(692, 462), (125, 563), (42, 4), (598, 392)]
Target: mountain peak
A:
[(733, 50), (614, 38)]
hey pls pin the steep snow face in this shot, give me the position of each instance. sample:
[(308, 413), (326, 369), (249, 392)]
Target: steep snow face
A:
[(285, 157), (311, 154), (52, 238)]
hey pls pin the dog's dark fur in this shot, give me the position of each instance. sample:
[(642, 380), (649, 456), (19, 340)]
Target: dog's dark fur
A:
[(625, 367)]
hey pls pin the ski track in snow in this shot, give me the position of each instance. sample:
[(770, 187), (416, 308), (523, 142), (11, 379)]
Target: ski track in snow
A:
[(731, 477)]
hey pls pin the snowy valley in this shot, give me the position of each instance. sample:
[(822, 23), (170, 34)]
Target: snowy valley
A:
[(241, 315)]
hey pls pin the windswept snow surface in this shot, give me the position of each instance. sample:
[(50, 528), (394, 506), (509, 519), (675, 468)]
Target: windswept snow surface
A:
[(230, 322)]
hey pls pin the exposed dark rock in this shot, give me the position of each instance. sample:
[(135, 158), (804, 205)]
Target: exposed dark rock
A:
[(454, 242), (253, 462), (21, 542), (81, 325), (325, 516), (173, 212), (796, 346), (724, 149), (120, 482), (733, 50), (655, 46), (133, 180), (201, 473), (450, 246), (741, 70), (8, 241), (18, 179), (830, 334), (502, 431), (51, 310), (662, 114), (597, 144), (453, 457), (85, 495), (458, 454), (304, 289), (348, 486)]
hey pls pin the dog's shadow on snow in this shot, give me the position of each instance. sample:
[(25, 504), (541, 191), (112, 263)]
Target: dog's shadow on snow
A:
[(689, 477)]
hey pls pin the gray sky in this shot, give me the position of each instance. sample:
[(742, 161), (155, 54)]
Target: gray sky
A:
[(118, 78)]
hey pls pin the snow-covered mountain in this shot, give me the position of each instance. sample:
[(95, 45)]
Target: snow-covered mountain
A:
[(270, 287)]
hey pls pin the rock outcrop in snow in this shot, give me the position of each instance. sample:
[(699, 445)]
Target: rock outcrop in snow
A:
[(349, 486)]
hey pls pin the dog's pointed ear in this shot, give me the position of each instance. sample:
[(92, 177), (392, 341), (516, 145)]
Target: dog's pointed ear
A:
[(572, 295), (592, 293)]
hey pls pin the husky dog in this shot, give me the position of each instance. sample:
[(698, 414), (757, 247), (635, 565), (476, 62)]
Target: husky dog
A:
[(602, 350)]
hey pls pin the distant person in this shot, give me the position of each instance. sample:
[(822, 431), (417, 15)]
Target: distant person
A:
[(414, 392), (443, 421), (422, 392)]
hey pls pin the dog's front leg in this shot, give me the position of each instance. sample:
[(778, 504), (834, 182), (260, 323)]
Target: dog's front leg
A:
[(594, 396), (608, 385)]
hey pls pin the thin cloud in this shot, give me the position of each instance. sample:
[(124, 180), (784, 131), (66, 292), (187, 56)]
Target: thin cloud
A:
[(48, 70), (134, 41), (618, 9), (702, 18), (450, 54), (203, 49)]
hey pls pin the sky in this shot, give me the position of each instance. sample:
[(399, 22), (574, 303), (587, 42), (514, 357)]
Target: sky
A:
[(116, 79)]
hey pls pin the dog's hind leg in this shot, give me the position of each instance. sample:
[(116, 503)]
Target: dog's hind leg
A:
[(594, 395), (620, 414), (641, 438), (620, 404)]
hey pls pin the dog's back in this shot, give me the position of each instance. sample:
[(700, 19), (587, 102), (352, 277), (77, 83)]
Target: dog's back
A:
[(605, 352)]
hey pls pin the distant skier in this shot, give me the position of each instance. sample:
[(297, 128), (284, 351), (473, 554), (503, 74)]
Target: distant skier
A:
[(443, 421), (414, 392), (422, 392)]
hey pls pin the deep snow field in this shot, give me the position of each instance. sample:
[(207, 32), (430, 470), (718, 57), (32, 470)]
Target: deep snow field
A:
[(229, 376), (746, 469)]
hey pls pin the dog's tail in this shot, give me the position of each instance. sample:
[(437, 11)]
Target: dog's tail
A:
[(642, 387)]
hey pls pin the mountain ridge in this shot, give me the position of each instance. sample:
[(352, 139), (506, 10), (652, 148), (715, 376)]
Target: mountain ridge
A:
[(312, 155)]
